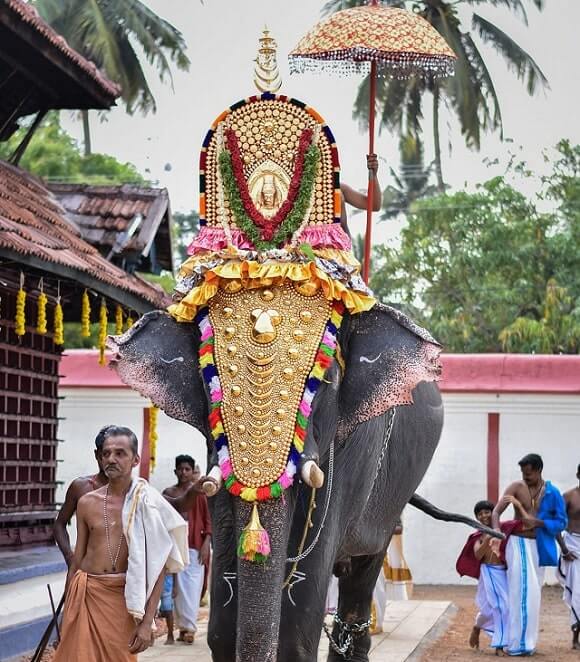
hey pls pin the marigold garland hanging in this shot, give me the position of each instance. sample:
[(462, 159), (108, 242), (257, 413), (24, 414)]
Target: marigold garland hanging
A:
[(20, 319), (129, 323), (103, 320), (118, 320), (58, 323), (41, 311), (153, 436), (86, 316)]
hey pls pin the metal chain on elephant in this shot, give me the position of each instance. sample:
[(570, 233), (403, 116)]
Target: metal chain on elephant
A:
[(392, 415), (308, 550), (347, 633)]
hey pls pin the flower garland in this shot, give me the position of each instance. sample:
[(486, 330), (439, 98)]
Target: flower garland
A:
[(268, 225), (293, 219), (130, 321), (118, 320), (20, 326), (41, 311), (58, 323), (209, 371), (153, 436), (103, 322), (85, 316)]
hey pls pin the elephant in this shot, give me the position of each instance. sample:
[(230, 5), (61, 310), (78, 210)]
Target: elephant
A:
[(376, 422)]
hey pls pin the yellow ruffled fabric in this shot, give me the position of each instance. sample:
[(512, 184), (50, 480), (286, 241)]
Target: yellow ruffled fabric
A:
[(253, 274)]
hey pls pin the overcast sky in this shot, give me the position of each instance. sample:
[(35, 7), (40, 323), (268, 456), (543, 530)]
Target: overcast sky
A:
[(222, 39)]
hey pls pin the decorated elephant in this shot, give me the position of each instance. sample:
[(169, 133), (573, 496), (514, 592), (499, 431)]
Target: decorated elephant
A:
[(318, 404)]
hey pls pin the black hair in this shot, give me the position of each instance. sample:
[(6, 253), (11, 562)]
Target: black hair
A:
[(533, 460), (101, 436), (483, 505), (120, 431), (180, 459)]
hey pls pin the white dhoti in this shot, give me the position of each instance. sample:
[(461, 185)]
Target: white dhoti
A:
[(525, 578), (189, 586), (393, 583), (492, 601), (569, 576)]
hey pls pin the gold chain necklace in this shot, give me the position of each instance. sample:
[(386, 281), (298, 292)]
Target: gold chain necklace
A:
[(106, 519), (533, 498)]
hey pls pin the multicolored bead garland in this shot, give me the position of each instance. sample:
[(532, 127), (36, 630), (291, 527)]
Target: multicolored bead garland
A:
[(322, 361)]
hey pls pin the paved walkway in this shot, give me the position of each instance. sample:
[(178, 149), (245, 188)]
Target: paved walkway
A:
[(405, 625)]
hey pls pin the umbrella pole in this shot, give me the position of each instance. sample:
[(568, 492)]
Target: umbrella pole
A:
[(371, 184)]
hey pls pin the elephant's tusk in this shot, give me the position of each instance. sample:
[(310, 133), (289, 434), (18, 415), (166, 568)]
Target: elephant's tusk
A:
[(312, 474), (212, 486)]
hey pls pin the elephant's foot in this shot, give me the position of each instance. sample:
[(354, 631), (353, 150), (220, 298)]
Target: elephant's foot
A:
[(213, 483), (312, 474)]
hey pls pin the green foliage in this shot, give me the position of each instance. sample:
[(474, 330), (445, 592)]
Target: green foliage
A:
[(488, 270), (54, 155), (185, 227), (108, 32), (165, 280), (470, 93)]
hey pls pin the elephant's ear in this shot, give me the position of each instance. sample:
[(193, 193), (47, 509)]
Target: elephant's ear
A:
[(386, 355), (158, 357)]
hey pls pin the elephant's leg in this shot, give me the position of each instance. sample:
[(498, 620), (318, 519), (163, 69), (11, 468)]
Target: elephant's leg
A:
[(221, 635), (354, 605)]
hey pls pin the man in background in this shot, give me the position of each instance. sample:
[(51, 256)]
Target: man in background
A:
[(190, 581), (76, 490), (569, 566)]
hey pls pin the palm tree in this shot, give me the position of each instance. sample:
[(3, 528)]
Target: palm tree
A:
[(106, 32), (471, 92), (411, 183)]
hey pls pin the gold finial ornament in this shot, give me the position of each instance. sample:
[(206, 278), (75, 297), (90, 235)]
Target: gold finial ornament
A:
[(266, 75)]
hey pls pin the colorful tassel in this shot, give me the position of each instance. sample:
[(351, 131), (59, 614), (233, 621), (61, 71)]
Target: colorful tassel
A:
[(254, 543), (58, 323), (20, 320), (153, 436), (86, 316), (118, 320), (41, 310), (103, 321)]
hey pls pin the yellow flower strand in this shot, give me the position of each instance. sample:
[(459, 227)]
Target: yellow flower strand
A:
[(102, 331), (118, 320), (153, 436), (86, 316), (130, 322), (20, 319), (41, 318), (58, 323)]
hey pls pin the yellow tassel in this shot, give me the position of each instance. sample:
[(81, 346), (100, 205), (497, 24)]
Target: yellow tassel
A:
[(20, 320), (86, 316), (58, 324), (129, 323), (41, 318), (153, 436), (118, 320), (102, 331), (254, 543)]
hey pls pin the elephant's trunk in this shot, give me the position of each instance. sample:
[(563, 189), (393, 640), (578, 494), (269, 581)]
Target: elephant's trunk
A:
[(260, 585)]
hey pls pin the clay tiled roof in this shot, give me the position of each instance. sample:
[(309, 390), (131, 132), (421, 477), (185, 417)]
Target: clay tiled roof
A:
[(29, 15), (105, 214), (34, 229)]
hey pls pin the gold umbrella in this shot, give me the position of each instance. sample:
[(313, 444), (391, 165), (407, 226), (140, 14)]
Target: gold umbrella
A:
[(377, 40)]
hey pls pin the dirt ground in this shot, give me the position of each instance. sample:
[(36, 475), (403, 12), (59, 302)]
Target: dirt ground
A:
[(554, 644)]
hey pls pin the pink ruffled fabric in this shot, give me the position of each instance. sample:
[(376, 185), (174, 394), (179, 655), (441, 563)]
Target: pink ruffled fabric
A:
[(318, 236)]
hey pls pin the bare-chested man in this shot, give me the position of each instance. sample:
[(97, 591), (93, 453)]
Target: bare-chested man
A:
[(112, 593), (540, 507), (569, 567), (356, 198), (76, 489)]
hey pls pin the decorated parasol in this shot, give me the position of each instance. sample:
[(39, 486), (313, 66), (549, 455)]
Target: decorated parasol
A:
[(374, 40)]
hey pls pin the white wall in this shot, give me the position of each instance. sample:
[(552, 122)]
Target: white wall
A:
[(457, 478), (86, 410)]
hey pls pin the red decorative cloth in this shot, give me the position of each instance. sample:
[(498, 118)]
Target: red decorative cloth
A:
[(468, 565), (199, 522)]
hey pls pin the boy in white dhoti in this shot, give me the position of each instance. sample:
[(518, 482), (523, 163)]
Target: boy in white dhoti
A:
[(569, 565), (541, 509), (480, 561)]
